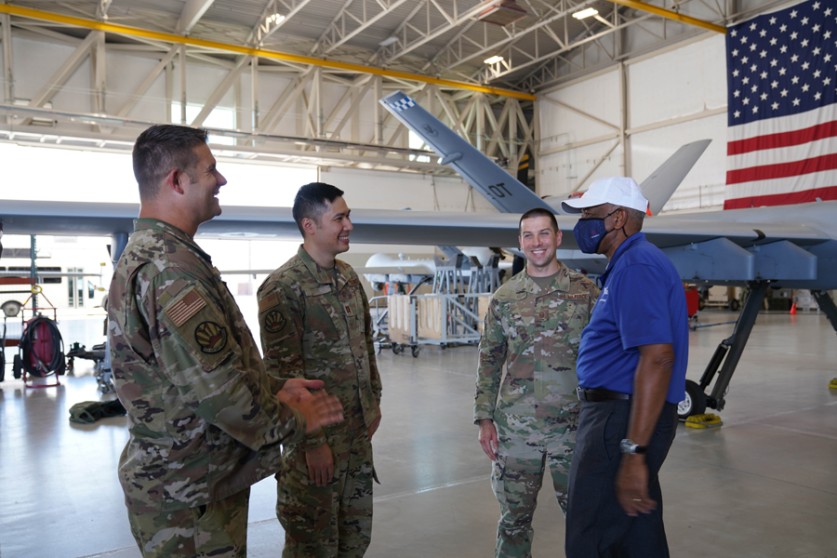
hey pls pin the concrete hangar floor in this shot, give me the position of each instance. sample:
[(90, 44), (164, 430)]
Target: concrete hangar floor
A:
[(762, 485)]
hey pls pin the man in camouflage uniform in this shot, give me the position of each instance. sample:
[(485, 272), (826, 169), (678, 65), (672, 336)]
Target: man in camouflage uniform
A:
[(203, 418), (315, 323), (533, 327)]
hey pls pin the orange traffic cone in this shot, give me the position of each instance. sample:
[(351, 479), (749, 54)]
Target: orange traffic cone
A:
[(793, 309)]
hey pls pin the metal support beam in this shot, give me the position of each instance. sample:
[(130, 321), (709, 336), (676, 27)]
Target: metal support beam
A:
[(269, 54), (662, 12), (67, 69), (102, 9), (8, 74), (99, 75), (191, 13), (215, 97), (270, 20), (347, 25), (149, 80)]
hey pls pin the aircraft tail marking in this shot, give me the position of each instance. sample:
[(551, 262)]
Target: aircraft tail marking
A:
[(501, 189)]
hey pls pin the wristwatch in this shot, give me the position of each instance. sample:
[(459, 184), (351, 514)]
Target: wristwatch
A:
[(629, 446)]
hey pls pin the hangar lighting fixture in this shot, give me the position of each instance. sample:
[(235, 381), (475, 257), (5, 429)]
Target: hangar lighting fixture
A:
[(493, 59), (585, 13), (594, 13), (275, 19), (501, 12), (391, 40)]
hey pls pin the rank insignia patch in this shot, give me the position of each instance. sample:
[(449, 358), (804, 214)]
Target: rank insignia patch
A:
[(274, 321), (211, 337)]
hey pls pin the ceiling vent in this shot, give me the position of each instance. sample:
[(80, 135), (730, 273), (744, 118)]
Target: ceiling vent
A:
[(502, 12)]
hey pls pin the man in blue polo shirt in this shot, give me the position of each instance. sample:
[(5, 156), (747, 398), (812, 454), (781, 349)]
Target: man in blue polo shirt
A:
[(631, 374)]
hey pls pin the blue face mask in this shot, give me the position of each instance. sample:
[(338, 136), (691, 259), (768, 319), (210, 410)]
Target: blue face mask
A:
[(590, 232)]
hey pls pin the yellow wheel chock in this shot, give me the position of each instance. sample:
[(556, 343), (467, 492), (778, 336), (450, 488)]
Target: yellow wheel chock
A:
[(706, 420)]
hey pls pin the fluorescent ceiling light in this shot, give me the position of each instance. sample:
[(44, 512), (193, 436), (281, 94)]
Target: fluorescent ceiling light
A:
[(275, 19), (391, 40), (494, 59), (585, 13)]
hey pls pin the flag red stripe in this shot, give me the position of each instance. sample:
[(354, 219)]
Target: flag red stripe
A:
[(783, 139), (783, 170), (827, 193)]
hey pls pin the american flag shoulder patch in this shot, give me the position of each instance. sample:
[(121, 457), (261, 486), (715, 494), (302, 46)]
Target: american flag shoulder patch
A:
[(187, 306), (269, 301)]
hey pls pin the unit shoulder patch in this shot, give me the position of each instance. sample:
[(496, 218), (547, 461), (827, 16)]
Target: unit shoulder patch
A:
[(274, 321), (211, 337)]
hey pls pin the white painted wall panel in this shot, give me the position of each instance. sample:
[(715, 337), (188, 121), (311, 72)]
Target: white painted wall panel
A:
[(581, 112), (678, 83), (673, 98), (564, 172)]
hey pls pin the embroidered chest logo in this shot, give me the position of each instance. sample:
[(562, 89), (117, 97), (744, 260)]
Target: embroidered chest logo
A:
[(274, 321), (211, 337)]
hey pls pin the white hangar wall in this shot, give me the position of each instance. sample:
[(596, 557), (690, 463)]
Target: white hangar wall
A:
[(628, 120)]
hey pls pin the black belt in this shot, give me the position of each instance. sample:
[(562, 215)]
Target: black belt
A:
[(597, 395)]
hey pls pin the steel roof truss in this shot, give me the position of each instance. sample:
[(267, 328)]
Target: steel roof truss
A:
[(191, 13)]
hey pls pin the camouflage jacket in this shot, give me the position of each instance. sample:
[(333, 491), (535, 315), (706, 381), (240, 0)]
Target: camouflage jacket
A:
[(315, 324), (203, 418), (534, 332)]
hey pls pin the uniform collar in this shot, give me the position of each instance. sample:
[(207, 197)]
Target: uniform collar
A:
[(560, 282), (323, 275), (156, 225)]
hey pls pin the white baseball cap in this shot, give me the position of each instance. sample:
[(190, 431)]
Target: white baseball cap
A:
[(617, 190)]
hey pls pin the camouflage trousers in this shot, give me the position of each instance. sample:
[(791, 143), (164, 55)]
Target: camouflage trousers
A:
[(218, 529), (333, 520), (526, 446)]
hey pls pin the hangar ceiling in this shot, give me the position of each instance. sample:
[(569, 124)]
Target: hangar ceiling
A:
[(437, 51)]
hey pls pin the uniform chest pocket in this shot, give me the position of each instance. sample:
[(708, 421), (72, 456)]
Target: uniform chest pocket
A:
[(333, 317), (571, 315)]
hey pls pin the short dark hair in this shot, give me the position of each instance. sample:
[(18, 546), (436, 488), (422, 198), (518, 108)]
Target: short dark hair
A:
[(161, 148), (310, 201), (538, 212)]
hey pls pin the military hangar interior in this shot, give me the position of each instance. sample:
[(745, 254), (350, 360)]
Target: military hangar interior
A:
[(290, 91)]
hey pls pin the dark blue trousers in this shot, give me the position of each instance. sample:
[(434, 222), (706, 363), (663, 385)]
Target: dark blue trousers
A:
[(596, 524)]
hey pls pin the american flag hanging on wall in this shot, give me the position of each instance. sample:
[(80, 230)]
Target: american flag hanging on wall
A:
[(782, 110)]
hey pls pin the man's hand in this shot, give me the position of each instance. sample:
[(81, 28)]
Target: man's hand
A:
[(318, 407), (632, 486), (488, 438), (320, 465), (297, 389)]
